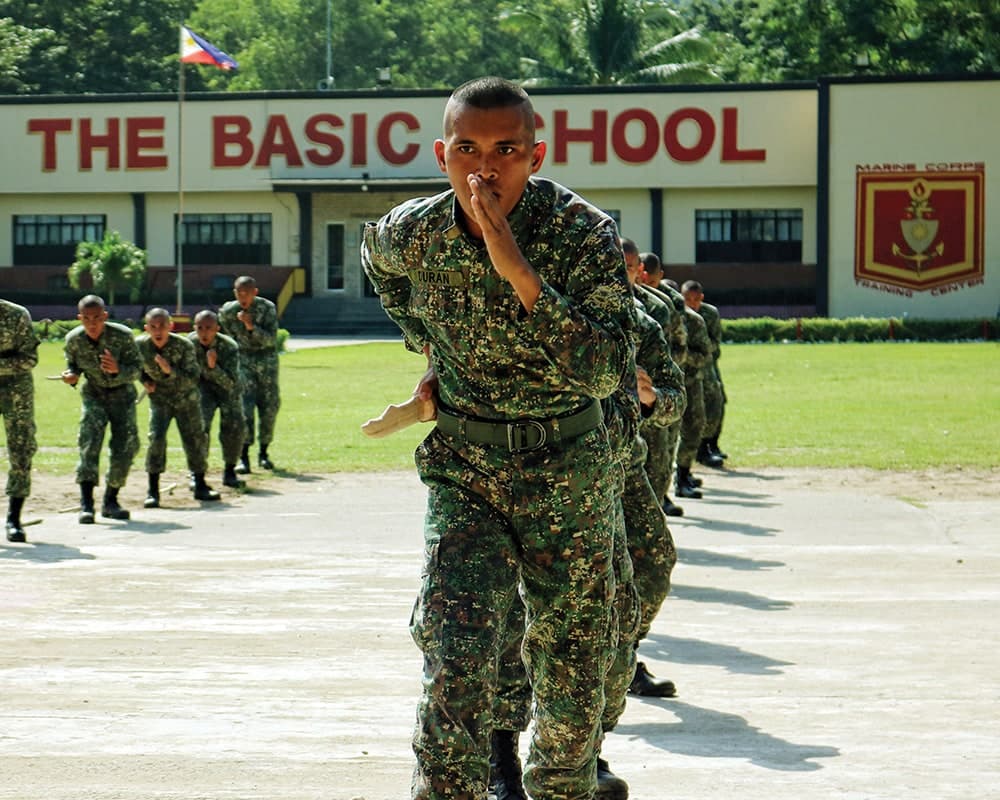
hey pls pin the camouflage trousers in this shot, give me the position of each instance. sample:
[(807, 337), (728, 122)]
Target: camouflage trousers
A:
[(715, 403), (185, 408), (232, 427), (259, 377), (17, 406), (512, 706), (101, 409), (661, 444), (544, 520), (692, 423)]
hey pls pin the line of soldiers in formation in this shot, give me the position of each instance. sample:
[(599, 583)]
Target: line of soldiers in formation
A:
[(677, 345), (229, 363), (693, 329)]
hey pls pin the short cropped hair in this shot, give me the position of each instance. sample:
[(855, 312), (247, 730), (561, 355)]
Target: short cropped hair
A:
[(651, 263), (489, 93), (156, 313), (244, 281), (90, 301), (692, 286), (206, 313), (629, 247)]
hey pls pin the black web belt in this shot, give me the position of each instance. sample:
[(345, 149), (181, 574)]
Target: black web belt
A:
[(522, 435)]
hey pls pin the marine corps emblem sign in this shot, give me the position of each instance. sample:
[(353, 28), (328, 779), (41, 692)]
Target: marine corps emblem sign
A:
[(920, 229)]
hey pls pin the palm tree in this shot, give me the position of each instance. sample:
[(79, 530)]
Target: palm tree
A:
[(612, 42), (112, 263)]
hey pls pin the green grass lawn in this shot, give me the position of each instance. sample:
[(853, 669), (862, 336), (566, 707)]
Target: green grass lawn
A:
[(897, 406)]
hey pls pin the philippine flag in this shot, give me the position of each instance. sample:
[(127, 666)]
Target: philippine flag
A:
[(195, 50)]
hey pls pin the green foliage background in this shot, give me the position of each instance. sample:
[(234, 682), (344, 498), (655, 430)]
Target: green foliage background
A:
[(97, 46), (893, 405)]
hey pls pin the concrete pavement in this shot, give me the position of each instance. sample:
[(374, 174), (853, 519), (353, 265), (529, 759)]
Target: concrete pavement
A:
[(826, 644)]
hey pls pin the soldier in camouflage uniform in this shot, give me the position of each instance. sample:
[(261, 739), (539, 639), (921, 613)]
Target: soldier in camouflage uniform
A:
[(219, 358), (662, 442), (253, 322), (644, 559), (18, 356), (170, 373), (514, 288), (715, 393), (105, 353), (693, 423)]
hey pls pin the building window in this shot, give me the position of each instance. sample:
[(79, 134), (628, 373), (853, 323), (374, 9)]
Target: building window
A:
[(748, 235), (226, 238), (334, 256), (51, 239)]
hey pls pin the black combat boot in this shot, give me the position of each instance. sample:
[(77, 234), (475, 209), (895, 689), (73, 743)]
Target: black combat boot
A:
[(671, 509), (713, 443), (263, 460), (505, 767), (684, 488), (707, 457), (202, 491), (110, 507), (609, 785), (153, 492), (645, 684), (86, 503), (15, 531), (244, 465), (229, 477)]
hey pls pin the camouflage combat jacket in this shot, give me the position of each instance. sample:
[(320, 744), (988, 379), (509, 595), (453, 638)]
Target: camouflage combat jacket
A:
[(263, 339), (184, 370), (18, 342), (494, 359), (225, 378), (713, 321), (83, 356)]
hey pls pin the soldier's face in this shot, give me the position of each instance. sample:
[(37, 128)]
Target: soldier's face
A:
[(159, 329), (207, 328), (245, 295), (494, 144), (692, 299), (93, 320), (632, 267)]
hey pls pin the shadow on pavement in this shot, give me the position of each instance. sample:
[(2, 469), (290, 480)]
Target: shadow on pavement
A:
[(721, 525), (705, 733), (44, 553), (706, 558), (709, 594), (695, 651)]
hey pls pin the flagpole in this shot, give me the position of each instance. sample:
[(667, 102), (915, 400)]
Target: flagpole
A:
[(179, 234)]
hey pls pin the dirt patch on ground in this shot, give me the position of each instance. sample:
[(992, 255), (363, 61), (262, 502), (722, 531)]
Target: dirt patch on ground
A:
[(51, 494)]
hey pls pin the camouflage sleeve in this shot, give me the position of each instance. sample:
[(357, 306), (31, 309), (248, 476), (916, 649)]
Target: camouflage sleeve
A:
[(228, 321), (652, 355), (585, 331), (187, 366), (716, 336), (23, 355), (129, 363), (265, 324), (227, 367), (699, 349), (391, 281)]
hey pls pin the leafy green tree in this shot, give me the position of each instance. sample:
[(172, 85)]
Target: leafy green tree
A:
[(610, 42), (18, 48), (112, 263), (101, 46)]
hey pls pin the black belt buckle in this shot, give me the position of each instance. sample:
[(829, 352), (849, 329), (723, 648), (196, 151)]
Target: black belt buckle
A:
[(519, 435)]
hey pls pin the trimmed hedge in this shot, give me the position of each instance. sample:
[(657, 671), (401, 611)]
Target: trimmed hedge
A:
[(857, 329)]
